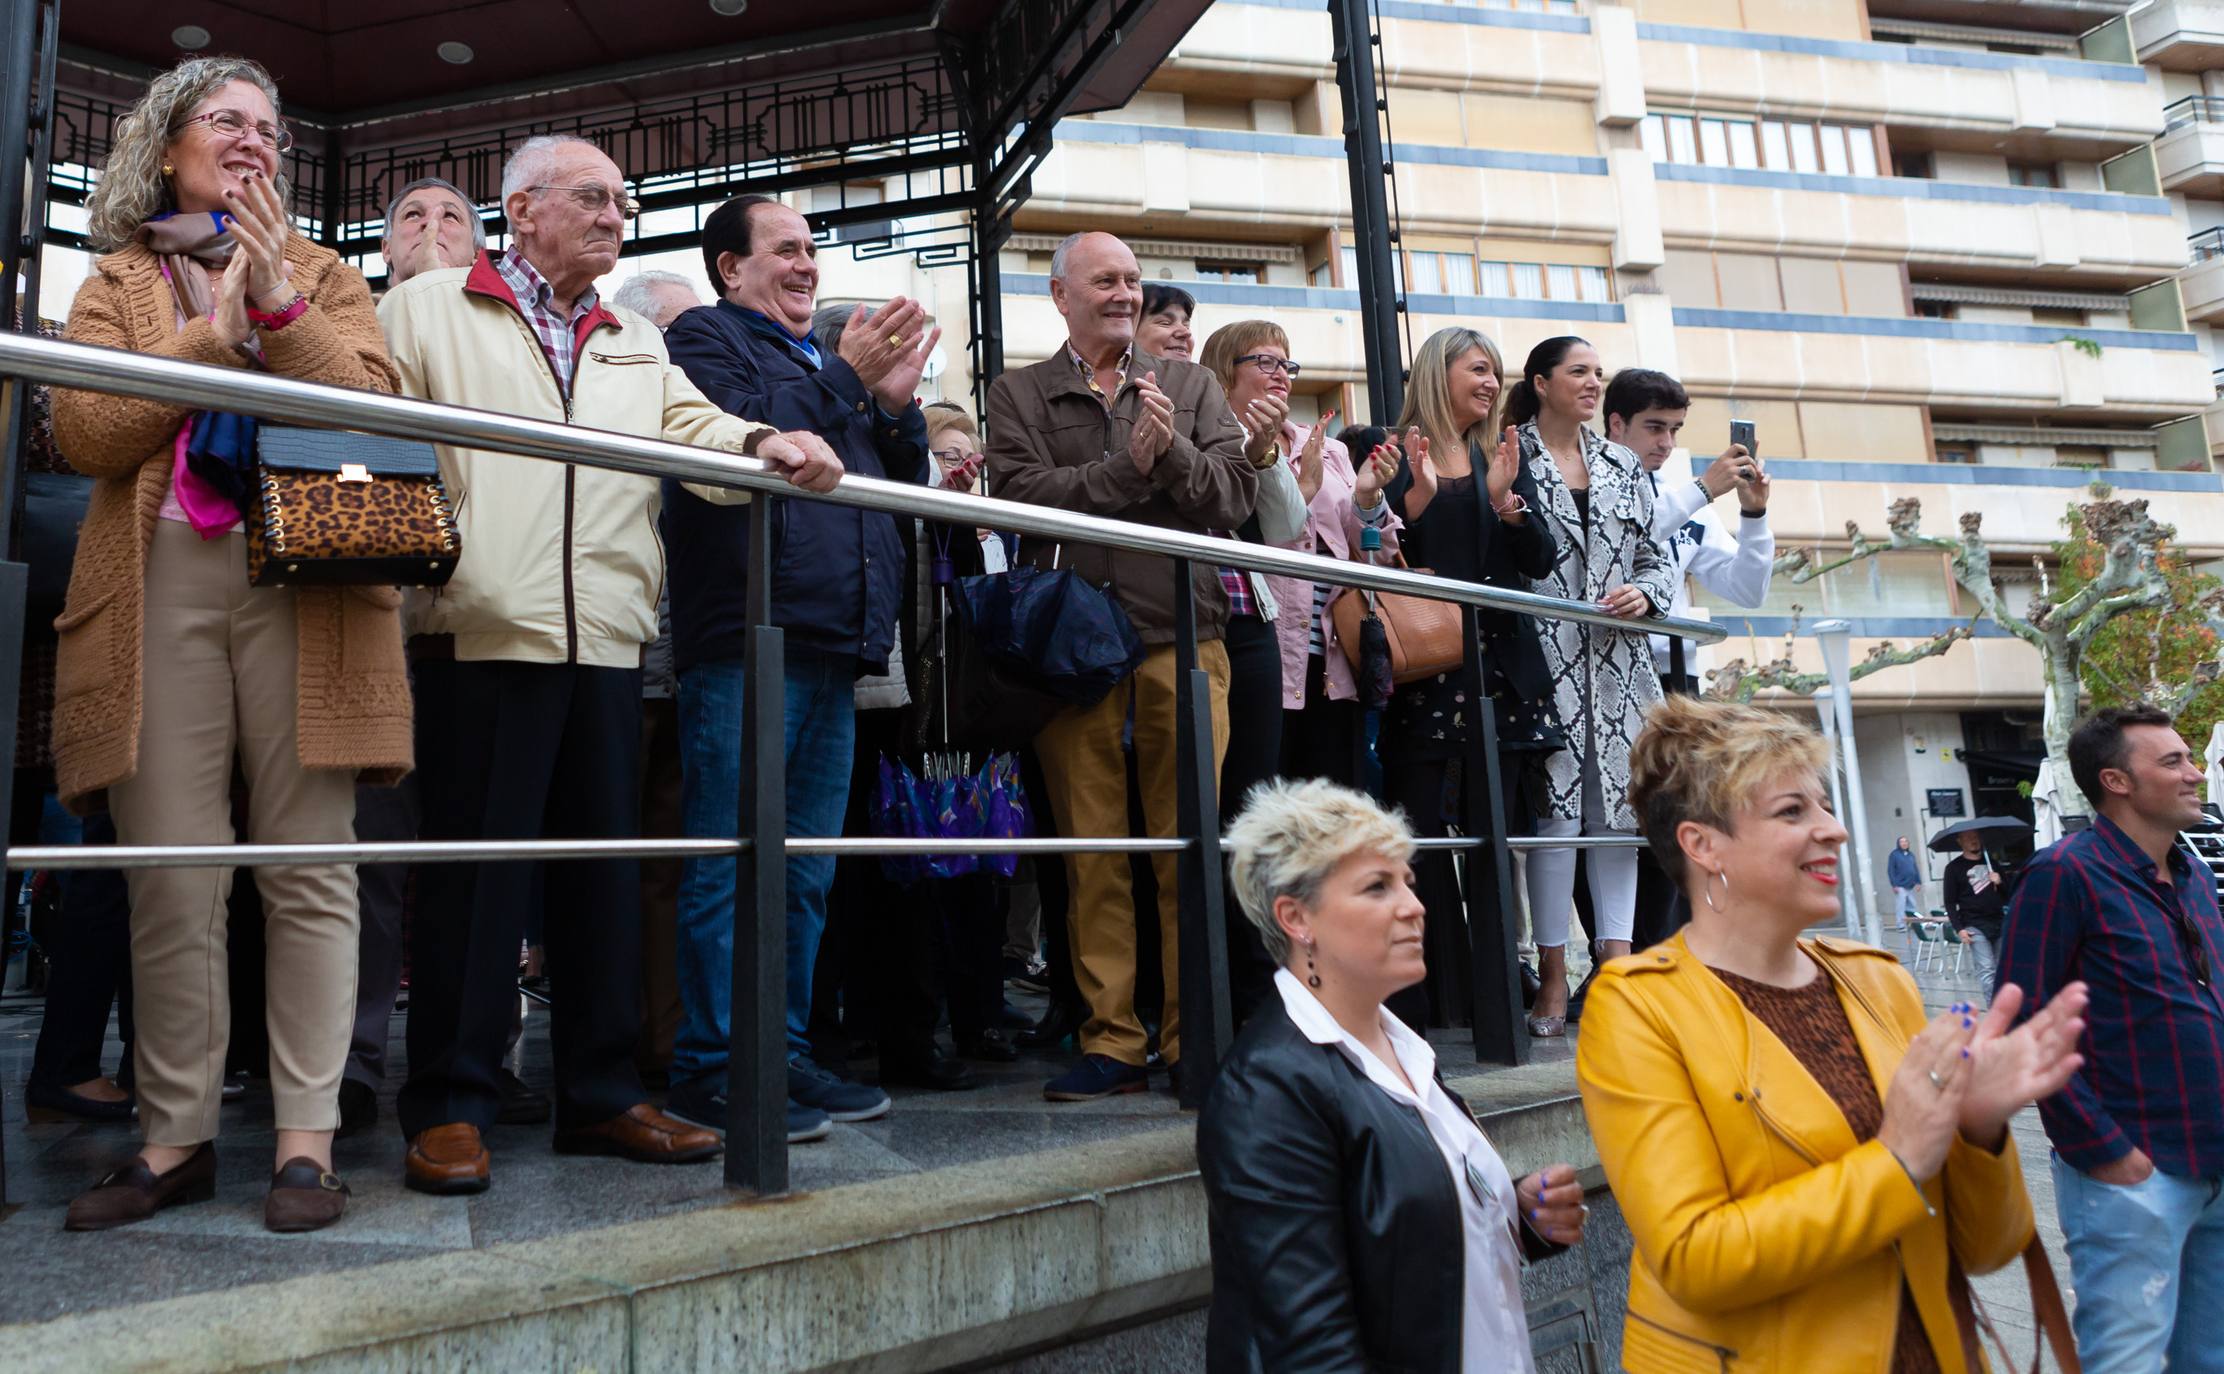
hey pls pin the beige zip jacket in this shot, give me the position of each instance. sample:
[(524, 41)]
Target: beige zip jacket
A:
[(561, 563)]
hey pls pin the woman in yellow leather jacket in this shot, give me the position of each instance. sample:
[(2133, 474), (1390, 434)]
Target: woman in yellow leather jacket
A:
[(1809, 1170)]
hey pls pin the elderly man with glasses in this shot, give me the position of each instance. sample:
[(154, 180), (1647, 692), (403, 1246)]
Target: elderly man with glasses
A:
[(529, 678)]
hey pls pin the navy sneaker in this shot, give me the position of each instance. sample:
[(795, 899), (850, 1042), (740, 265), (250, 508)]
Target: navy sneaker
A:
[(1097, 1076), (703, 1103), (833, 1094)]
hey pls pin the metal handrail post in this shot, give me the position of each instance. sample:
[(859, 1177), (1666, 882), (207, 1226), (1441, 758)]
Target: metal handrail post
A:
[(1202, 945), (1500, 1032), (757, 1006)]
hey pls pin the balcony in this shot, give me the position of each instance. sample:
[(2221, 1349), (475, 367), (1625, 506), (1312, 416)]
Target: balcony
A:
[(2046, 16), (2189, 156), (1972, 97), (2202, 282), (2002, 232), (2091, 374), (2180, 35)]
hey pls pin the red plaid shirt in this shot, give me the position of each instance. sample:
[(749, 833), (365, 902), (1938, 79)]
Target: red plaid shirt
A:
[(557, 334)]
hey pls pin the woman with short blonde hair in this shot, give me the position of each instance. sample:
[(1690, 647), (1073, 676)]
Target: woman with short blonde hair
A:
[(1358, 1217), (1811, 1166)]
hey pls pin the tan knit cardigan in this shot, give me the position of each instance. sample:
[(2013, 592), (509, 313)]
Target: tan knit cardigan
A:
[(353, 706)]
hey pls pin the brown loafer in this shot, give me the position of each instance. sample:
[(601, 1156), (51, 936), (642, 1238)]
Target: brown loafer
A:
[(136, 1192), (642, 1134), (304, 1196), (446, 1159)]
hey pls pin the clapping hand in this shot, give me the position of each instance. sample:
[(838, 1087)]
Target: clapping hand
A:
[(1923, 1105), (888, 349), (1153, 432), (1264, 417), (803, 458), (1419, 463), (258, 224), (1505, 465), (1309, 460), (2013, 1066), (1552, 1203)]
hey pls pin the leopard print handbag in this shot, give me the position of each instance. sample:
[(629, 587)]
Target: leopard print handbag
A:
[(335, 508)]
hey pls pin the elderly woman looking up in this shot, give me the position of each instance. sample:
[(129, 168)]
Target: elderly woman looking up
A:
[(1810, 1166), (1358, 1218), (169, 662)]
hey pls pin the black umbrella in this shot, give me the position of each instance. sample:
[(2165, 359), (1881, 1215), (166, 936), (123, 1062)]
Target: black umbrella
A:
[(1948, 841)]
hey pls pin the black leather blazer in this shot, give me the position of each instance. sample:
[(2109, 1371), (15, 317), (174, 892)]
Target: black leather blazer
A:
[(1334, 1223)]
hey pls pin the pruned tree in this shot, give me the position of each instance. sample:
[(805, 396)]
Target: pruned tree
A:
[(1735, 680), (2127, 574)]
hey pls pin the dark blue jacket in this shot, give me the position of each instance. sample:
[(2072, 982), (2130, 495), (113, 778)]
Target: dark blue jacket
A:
[(837, 572)]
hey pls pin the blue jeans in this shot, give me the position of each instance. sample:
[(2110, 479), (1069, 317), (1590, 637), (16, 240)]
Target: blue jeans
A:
[(2148, 1265), (820, 715)]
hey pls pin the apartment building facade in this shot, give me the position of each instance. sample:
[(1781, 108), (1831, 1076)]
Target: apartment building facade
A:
[(1965, 252)]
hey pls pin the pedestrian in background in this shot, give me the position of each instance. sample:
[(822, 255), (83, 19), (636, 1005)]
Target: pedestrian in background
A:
[(1976, 904), (2139, 1133), (1811, 1167), (1905, 873)]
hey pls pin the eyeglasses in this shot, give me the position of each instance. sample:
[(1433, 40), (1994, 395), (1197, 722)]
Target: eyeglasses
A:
[(951, 456), (594, 199), (2196, 953), (233, 124), (1268, 364)]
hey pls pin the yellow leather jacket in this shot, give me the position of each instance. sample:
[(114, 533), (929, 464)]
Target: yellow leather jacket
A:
[(1767, 1239)]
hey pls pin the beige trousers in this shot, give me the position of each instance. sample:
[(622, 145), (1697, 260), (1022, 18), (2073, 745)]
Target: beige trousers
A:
[(220, 668), (1086, 772)]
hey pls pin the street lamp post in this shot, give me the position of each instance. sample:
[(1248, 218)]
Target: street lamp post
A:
[(1826, 712), (1835, 639)]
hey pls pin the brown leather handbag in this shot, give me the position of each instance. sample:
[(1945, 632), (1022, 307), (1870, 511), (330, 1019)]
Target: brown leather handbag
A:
[(334, 508), (1426, 637)]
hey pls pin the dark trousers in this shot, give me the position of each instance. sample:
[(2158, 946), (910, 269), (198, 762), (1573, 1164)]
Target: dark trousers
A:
[(525, 751), (661, 819), (1254, 756), (1662, 909), (1425, 780), (88, 970), (382, 815), (1324, 739)]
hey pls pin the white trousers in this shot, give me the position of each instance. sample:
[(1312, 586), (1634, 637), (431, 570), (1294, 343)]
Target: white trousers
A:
[(1613, 874)]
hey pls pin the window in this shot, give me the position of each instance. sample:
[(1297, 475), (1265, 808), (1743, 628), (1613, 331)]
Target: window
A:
[(1917, 165), (1957, 453), (1459, 274), (1935, 310), (2080, 456), (2044, 175), (1536, 281), (1785, 145), (2075, 319), (1251, 272), (1321, 275), (1350, 263), (1427, 277)]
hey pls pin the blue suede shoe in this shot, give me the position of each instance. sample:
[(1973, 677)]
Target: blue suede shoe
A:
[(833, 1094), (1097, 1076), (703, 1103)]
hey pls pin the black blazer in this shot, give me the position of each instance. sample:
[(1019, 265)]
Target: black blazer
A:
[(1335, 1225), (1466, 540)]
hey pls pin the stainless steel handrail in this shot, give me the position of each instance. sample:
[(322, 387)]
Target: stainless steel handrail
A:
[(118, 372), (56, 858)]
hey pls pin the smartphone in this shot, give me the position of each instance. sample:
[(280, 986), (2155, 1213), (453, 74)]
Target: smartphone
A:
[(1741, 432)]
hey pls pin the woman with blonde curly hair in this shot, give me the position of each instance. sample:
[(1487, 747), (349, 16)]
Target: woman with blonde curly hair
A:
[(1811, 1166), (170, 663)]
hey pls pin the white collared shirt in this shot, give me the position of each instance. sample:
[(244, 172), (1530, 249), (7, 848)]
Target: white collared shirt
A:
[(1494, 1325)]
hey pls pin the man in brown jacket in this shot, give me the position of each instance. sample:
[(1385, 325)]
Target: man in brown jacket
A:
[(1104, 428)]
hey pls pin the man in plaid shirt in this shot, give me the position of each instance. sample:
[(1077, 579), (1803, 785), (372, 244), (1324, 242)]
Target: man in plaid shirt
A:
[(2139, 1132)]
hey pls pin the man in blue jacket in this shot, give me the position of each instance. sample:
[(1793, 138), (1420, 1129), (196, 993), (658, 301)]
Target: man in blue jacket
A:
[(836, 588)]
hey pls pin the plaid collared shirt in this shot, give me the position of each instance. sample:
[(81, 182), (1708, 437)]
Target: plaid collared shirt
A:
[(2089, 906), (1088, 372), (558, 336)]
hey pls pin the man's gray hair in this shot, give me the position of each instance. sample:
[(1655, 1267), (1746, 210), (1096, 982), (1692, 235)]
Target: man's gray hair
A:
[(638, 292), (1064, 250), (827, 324), (478, 225), (1292, 835), (528, 165)]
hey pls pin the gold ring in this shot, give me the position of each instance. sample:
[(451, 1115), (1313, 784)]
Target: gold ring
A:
[(895, 341)]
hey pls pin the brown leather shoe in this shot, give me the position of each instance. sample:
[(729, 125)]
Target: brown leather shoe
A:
[(136, 1192), (642, 1134), (446, 1159), (304, 1196)]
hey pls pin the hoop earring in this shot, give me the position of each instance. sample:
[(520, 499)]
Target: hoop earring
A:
[(1706, 888), (1312, 975)]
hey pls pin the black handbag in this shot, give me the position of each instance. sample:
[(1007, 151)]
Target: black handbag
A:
[(336, 508), (54, 505)]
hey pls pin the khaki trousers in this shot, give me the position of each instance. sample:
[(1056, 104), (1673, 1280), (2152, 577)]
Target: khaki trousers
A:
[(220, 667), (1086, 772)]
